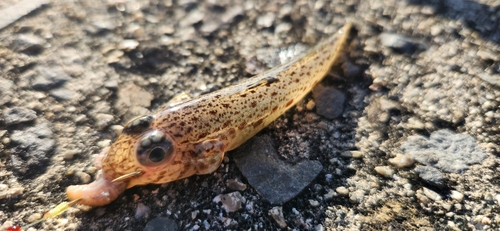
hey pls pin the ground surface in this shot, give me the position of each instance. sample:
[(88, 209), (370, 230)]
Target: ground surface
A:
[(422, 82)]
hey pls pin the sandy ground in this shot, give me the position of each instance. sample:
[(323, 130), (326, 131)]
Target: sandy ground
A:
[(415, 145)]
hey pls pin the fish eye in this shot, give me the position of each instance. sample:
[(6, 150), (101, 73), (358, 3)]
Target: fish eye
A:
[(157, 154), (154, 148)]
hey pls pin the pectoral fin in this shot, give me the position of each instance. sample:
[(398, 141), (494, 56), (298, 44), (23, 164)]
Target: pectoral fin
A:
[(210, 155)]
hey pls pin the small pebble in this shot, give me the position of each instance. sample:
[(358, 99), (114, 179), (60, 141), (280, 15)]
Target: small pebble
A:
[(235, 184), (488, 55), (329, 101), (330, 194), (85, 178), (414, 123), (6, 140), (104, 143), (346, 154), (422, 198), (63, 94), (117, 129), (277, 214), (400, 43), (34, 217), (497, 198), (384, 171), (401, 161), (231, 201), (431, 175), (457, 196), (103, 120), (314, 203), (310, 105), (431, 194), (141, 211), (356, 154), (266, 20), (357, 196), (342, 191), (69, 154), (111, 84), (128, 44)]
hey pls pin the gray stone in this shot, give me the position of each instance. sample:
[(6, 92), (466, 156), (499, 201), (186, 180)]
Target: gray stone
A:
[(161, 223), (29, 44), (62, 94), (329, 101), (103, 120), (274, 179), (17, 115), (431, 175), (444, 150), (32, 149), (401, 44), (47, 78)]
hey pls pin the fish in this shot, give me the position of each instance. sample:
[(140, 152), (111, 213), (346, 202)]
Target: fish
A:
[(190, 136)]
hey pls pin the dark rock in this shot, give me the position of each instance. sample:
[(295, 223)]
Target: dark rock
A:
[(274, 179), (444, 150), (329, 101), (17, 115), (161, 223), (31, 149), (47, 78), (350, 69), (401, 44), (431, 175)]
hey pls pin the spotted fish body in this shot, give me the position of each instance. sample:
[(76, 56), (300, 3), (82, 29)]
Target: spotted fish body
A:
[(191, 137)]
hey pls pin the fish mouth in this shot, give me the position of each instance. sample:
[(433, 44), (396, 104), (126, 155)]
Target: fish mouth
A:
[(98, 193)]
